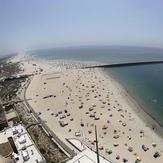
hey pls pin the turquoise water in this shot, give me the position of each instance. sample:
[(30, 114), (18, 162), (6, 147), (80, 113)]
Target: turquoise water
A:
[(144, 83)]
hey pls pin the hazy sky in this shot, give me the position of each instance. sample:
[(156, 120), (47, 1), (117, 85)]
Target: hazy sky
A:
[(28, 24)]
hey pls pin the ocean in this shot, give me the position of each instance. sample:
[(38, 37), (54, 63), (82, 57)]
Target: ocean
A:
[(144, 83)]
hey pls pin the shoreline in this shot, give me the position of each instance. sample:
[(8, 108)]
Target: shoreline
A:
[(69, 76), (146, 117)]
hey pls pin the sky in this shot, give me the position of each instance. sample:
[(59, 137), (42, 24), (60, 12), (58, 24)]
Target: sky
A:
[(35, 24)]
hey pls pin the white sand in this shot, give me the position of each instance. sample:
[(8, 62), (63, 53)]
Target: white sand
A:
[(76, 87)]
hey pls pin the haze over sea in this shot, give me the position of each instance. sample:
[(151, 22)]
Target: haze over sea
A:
[(144, 83)]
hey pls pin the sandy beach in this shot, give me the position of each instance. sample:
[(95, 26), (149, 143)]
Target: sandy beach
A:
[(73, 101)]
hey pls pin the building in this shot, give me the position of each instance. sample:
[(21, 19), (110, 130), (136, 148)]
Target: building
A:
[(85, 155), (16, 144)]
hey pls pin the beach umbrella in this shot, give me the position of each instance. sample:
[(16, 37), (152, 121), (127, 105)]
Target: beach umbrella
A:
[(109, 151), (104, 127), (93, 105), (141, 131), (117, 157), (94, 140), (157, 154), (115, 144), (130, 149), (89, 131), (101, 148), (138, 159), (145, 148), (154, 144), (124, 124), (125, 160), (116, 136)]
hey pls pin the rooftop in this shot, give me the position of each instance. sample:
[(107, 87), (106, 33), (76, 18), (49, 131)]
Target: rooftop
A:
[(27, 151), (86, 156)]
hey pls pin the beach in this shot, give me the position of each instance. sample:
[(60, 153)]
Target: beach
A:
[(71, 101)]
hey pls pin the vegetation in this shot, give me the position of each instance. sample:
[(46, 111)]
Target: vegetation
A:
[(9, 88), (8, 92)]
